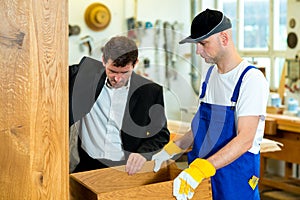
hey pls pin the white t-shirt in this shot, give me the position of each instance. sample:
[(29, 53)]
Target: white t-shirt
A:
[(252, 100)]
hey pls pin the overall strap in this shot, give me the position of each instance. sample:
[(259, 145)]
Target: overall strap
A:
[(236, 91), (204, 84)]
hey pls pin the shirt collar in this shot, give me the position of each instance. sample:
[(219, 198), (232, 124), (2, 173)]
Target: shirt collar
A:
[(107, 84)]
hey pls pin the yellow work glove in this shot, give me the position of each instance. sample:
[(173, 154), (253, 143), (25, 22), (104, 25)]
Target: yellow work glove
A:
[(186, 182), (169, 150)]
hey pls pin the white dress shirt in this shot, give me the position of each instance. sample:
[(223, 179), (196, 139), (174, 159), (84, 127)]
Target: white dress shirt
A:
[(100, 128)]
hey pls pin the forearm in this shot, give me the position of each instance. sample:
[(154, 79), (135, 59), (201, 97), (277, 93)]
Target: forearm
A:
[(229, 153), (239, 145), (185, 141)]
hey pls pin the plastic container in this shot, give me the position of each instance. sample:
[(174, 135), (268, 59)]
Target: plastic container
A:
[(298, 113), (292, 105), (275, 100)]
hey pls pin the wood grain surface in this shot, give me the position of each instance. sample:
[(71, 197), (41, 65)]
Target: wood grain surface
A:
[(34, 99), (114, 183)]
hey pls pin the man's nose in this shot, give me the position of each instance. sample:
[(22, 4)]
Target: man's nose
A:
[(118, 77), (199, 48)]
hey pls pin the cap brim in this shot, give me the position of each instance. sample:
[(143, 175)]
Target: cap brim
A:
[(187, 40), (191, 40)]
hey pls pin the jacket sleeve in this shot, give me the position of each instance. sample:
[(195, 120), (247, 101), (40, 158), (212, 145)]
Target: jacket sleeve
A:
[(73, 71), (151, 145)]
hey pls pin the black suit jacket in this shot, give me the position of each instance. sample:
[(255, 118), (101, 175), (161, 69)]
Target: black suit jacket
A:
[(144, 128)]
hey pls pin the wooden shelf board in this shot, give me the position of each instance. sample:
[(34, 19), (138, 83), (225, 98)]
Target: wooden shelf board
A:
[(291, 184)]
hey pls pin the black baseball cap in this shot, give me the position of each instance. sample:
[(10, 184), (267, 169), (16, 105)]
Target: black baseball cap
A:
[(205, 24)]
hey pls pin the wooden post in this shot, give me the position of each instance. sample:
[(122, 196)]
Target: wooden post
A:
[(34, 99)]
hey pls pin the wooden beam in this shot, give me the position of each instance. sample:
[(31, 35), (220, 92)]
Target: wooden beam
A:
[(34, 99)]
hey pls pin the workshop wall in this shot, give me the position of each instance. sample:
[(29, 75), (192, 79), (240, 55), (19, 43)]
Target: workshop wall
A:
[(159, 25)]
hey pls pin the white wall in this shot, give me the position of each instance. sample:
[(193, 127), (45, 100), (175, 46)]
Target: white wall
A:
[(293, 12), (76, 17), (180, 98)]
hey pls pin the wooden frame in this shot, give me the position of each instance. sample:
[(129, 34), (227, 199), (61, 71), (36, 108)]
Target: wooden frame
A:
[(287, 133)]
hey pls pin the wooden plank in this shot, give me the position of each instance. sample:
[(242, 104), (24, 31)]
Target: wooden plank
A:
[(163, 190), (281, 183), (280, 195), (34, 99)]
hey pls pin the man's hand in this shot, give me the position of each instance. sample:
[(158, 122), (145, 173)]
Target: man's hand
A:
[(134, 163), (166, 153), (186, 182)]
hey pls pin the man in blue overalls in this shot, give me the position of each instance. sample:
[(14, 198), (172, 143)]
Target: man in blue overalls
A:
[(228, 127)]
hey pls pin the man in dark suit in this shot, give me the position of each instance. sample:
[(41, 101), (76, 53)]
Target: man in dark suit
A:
[(116, 116)]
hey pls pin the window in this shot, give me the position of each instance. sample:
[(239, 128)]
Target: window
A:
[(259, 30), (256, 24), (280, 24), (230, 10)]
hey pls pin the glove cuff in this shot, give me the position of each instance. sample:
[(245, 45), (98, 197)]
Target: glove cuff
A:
[(171, 148), (204, 167)]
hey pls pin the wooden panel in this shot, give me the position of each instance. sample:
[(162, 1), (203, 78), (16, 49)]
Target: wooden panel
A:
[(290, 150), (34, 99), (163, 190), (286, 123), (114, 183)]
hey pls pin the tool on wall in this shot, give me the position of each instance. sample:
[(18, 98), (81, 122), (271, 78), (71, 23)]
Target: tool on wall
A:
[(130, 28), (88, 42), (157, 36), (194, 74), (174, 45), (170, 47), (140, 31), (97, 16), (132, 23), (293, 75), (146, 65), (167, 27), (74, 30)]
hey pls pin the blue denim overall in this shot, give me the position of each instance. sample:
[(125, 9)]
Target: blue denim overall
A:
[(213, 127)]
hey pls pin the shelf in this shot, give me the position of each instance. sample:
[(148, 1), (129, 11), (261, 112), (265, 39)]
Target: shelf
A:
[(290, 184), (286, 132)]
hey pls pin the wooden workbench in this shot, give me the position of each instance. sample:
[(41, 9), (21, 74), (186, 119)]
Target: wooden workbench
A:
[(287, 132)]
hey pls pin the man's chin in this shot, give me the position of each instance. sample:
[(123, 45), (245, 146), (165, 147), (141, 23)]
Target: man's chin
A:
[(209, 61), (116, 86)]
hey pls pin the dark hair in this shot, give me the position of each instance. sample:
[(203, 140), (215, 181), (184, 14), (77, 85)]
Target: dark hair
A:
[(121, 50)]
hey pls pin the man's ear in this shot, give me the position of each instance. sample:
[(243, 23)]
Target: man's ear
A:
[(103, 60), (136, 63), (224, 37)]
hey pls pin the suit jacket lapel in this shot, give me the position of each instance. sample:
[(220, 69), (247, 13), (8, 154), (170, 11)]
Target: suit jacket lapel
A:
[(134, 85), (85, 86)]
